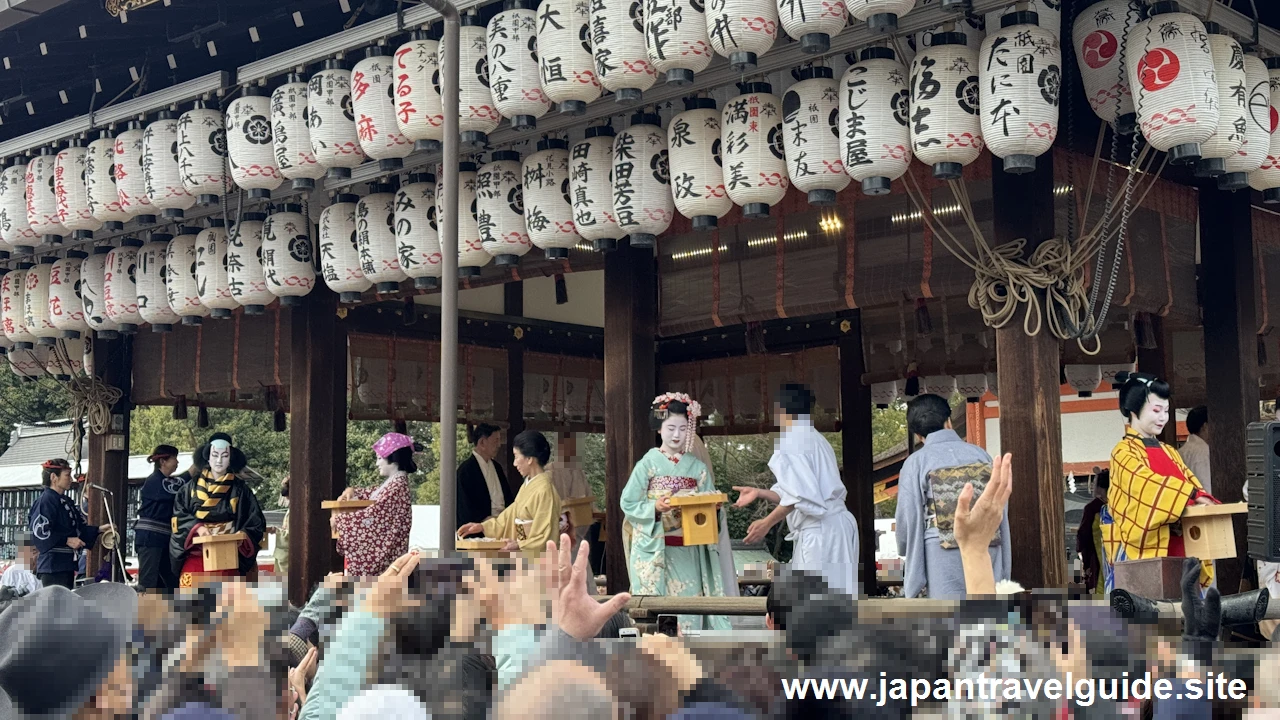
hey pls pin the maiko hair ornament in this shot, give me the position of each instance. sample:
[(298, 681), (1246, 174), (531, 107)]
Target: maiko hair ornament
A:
[(664, 406)]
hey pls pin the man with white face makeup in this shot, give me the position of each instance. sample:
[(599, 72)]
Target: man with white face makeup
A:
[(215, 502)]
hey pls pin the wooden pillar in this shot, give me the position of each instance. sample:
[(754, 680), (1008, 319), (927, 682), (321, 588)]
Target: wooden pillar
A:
[(1230, 330), (630, 375), (113, 365), (513, 306), (1159, 362), (855, 435), (1030, 412), (317, 440)]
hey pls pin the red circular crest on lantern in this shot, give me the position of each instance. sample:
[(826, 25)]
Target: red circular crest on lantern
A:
[(1158, 69), (1275, 120), (1099, 47)]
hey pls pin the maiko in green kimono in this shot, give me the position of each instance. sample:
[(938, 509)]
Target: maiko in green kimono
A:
[(660, 563)]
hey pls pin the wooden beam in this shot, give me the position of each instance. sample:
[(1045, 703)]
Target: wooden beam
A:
[(497, 331), (317, 440), (630, 376), (855, 435), (113, 365), (1231, 368), (513, 307), (1030, 419), (1159, 362), (780, 336)]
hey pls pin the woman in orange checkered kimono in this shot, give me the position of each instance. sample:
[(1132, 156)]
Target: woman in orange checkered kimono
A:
[(1150, 485)]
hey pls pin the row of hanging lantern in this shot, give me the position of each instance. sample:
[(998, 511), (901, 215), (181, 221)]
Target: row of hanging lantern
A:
[(64, 359)]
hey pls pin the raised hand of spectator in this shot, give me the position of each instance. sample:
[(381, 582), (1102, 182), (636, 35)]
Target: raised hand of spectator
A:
[(246, 625), (519, 600), (976, 523), (300, 677), (1201, 616), (574, 611), (389, 594)]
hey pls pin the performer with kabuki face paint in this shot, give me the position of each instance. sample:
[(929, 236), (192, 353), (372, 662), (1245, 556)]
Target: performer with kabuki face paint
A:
[(217, 501)]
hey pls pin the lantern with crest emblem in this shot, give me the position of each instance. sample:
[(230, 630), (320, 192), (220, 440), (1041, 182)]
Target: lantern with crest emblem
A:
[(340, 250), (73, 197), (290, 136), (419, 111), (569, 68), (812, 22), (331, 120), (741, 30), (42, 199), (811, 136), (755, 171), (35, 303), (1257, 133), (180, 274), (417, 235), (946, 131), (120, 291), (471, 252), (93, 275), (513, 65), (153, 290), (376, 239), (1233, 104), (286, 255), (676, 39), (161, 176), (131, 184), (642, 201), (100, 184), (500, 208), (875, 140), (245, 273), (1021, 77), (212, 282), (697, 180), (65, 308), (202, 154), (15, 229), (618, 46), (1266, 178), (477, 115), (548, 211), (591, 189), (13, 300), (1171, 74), (1099, 34), (252, 156), (373, 87)]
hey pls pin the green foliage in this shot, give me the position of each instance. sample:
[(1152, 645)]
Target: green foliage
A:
[(28, 402)]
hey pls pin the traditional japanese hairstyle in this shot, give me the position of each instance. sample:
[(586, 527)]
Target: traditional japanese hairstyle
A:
[(50, 469), (664, 406), (1135, 388)]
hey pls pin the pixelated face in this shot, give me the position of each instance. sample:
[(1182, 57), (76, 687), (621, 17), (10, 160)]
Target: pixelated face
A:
[(168, 466), (1154, 416), (219, 459), (780, 417), (673, 432)]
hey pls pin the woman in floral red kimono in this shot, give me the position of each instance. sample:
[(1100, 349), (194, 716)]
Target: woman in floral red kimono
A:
[(371, 539)]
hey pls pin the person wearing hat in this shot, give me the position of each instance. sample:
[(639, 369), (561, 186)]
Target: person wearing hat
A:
[(372, 538), (216, 502), (58, 527), (155, 520)]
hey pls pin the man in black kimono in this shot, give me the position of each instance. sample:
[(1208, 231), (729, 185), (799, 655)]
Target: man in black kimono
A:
[(154, 525), (59, 529), (482, 488), (217, 501)]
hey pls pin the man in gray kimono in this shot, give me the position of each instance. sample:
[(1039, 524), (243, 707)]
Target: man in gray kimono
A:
[(928, 486)]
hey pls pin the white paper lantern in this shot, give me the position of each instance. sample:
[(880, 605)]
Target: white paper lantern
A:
[(13, 307), (202, 154), (88, 357), (568, 67), (1099, 34), (331, 119), (28, 363), (1171, 73), (161, 176), (42, 199), (66, 359), (417, 234), (755, 171), (812, 22), (373, 87), (66, 308), (642, 201), (941, 385), (376, 239), (287, 255), (591, 188), (290, 136), (1258, 123), (1267, 177), (972, 387), (881, 16), (180, 277), (212, 281), (1233, 104), (35, 303), (153, 287), (884, 394), (697, 178), (875, 139), (742, 30), (471, 253), (419, 111), (120, 286), (245, 273), (340, 250), (973, 26), (1050, 12), (53, 364), (249, 145), (500, 208), (1109, 372), (93, 282), (131, 185), (1084, 379), (477, 115), (946, 131), (811, 136), (15, 229), (100, 184), (1021, 82), (514, 73), (548, 209), (618, 46), (73, 196), (676, 38)]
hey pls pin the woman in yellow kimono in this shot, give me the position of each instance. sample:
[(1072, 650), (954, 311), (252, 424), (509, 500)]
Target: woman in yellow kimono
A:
[(534, 518), (1150, 485)]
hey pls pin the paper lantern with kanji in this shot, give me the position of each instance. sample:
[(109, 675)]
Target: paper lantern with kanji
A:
[(202, 154), (500, 208), (1174, 90), (376, 239), (569, 68), (812, 22), (618, 46), (120, 290), (881, 16), (697, 180), (131, 185), (1084, 379), (676, 39), (417, 234), (548, 210), (591, 189), (514, 73), (1233, 104), (1050, 12), (42, 199), (946, 131), (875, 139), (340, 250), (471, 252), (13, 288), (1099, 36), (1021, 79), (160, 172), (245, 273), (642, 201), (477, 114), (331, 120), (73, 196), (1267, 177), (65, 306), (212, 282), (35, 303), (373, 86), (741, 30), (755, 169), (249, 145), (180, 277), (286, 255), (1257, 127), (93, 276), (15, 229), (419, 111), (153, 290), (884, 394), (811, 136), (290, 136), (100, 184)]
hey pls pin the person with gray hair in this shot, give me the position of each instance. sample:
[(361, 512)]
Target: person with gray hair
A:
[(559, 689)]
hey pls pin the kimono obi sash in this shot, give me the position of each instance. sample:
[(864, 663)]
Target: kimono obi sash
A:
[(664, 486), (1161, 463)]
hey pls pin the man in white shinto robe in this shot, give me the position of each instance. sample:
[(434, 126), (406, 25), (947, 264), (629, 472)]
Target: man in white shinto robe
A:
[(810, 495)]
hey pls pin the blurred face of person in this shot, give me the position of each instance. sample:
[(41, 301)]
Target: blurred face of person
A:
[(673, 432), (219, 459), (168, 466), (489, 447), (526, 466), (62, 481), (780, 417), (29, 556), (1154, 416)]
